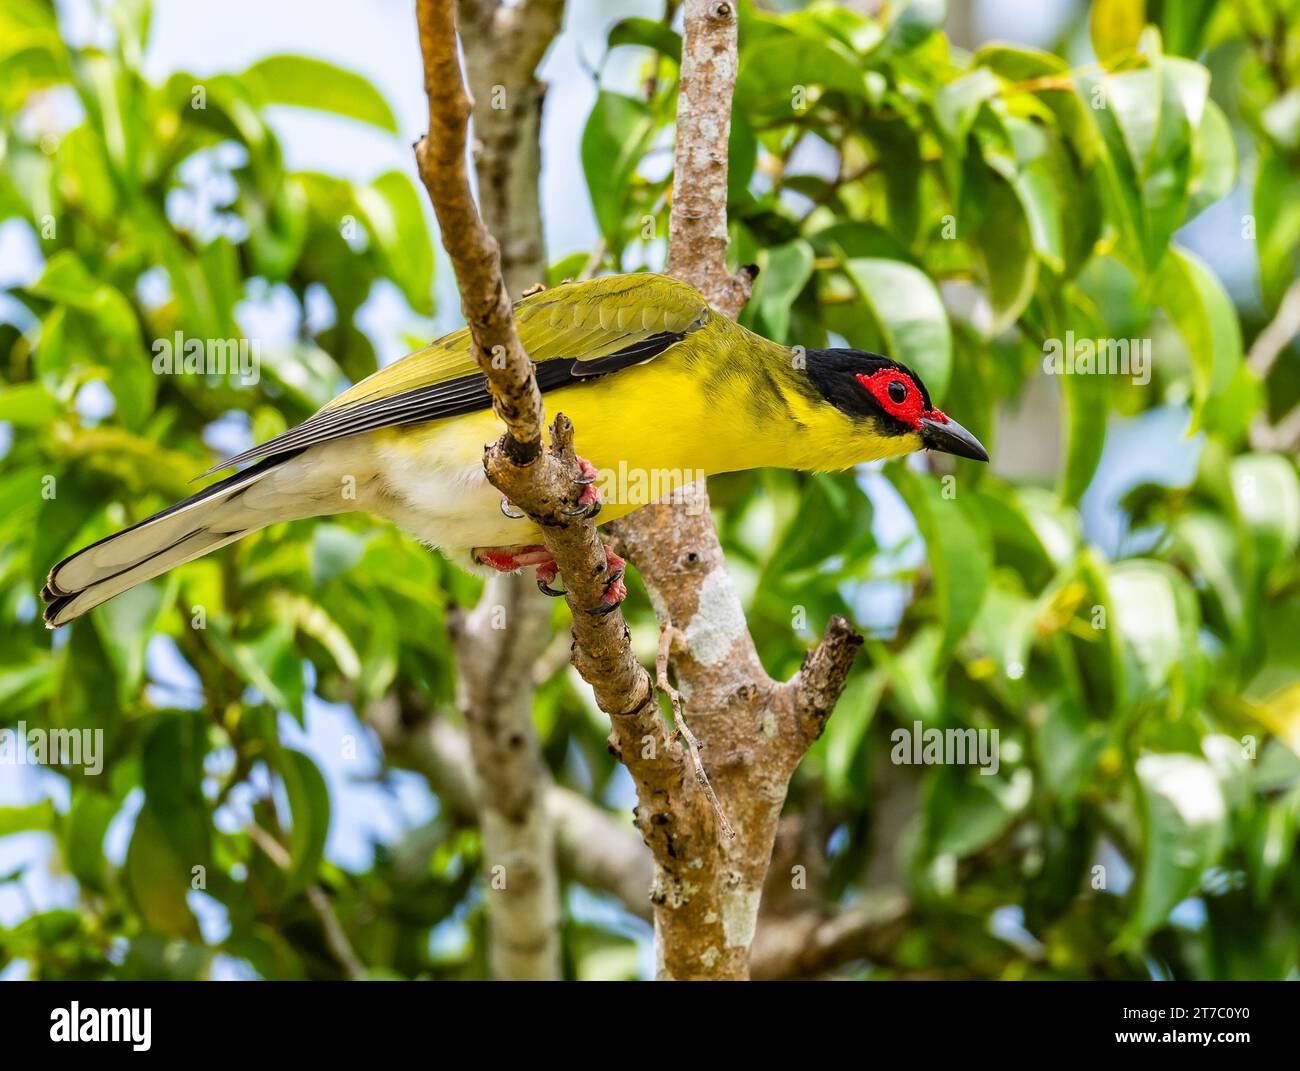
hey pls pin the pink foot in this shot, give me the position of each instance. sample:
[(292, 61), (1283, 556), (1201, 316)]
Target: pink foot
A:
[(615, 588), (589, 499), (512, 559)]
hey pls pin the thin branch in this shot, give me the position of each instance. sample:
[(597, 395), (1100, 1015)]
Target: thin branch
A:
[(494, 666), (814, 943), (335, 936), (1277, 334), (666, 633), (593, 846), (543, 483), (1269, 345), (473, 251)]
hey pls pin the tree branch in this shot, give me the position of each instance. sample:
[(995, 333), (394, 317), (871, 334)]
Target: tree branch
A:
[(754, 730), (1268, 347), (541, 482), (813, 943), (495, 646), (593, 847)]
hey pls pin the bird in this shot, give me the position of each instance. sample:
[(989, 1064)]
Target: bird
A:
[(654, 380)]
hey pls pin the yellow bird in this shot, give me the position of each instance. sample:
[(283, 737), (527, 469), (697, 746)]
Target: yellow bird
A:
[(661, 389)]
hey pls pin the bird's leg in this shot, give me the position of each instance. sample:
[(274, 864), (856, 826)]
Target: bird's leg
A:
[(512, 559)]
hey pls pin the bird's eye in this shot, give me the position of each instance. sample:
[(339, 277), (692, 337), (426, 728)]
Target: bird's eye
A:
[(898, 392)]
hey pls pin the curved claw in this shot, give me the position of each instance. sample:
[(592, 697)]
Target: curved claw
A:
[(584, 510), (547, 590), (509, 510), (586, 478), (615, 593)]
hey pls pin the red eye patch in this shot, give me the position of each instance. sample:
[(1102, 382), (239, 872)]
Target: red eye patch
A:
[(910, 409)]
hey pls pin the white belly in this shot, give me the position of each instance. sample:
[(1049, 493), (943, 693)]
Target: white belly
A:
[(443, 501)]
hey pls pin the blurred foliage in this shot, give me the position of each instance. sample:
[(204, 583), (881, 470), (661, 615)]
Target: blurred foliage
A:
[(956, 210)]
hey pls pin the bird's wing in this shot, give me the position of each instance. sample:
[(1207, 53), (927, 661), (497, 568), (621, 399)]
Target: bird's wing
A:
[(573, 333)]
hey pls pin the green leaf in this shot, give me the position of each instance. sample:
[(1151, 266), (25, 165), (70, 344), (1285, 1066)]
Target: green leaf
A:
[(911, 316), (30, 817), (1204, 315), (617, 133), (956, 104), (1002, 240), (335, 549), (1276, 226), (28, 405), (1267, 493), (1147, 119), (1214, 166), (786, 270), (1115, 26), (83, 836), (125, 625), (158, 879), (1184, 824), (394, 214), (899, 151), (1086, 406), (309, 806), (742, 157), (649, 33), (118, 347), (1184, 24), (957, 548), (1069, 743), (965, 812), (171, 761), (772, 71), (1157, 618), (303, 82), (847, 731), (915, 22), (269, 663)]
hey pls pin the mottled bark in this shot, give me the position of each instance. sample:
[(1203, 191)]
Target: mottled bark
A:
[(495, 647), (540, 479), (503, 45), (753, 730)]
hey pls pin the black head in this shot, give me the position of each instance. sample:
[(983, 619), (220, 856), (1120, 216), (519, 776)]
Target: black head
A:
[(889, 397)]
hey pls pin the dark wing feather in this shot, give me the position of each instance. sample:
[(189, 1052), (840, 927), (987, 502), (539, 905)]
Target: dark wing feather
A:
[(437, 401)]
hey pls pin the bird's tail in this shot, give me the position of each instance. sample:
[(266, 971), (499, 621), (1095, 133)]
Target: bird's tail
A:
[(217, 515)]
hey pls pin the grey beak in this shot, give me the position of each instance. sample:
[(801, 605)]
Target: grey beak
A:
[(951, 438)]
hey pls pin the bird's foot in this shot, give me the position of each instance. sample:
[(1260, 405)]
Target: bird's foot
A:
[(615, 588), (511, 559), (547, 573), (588, 504)]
